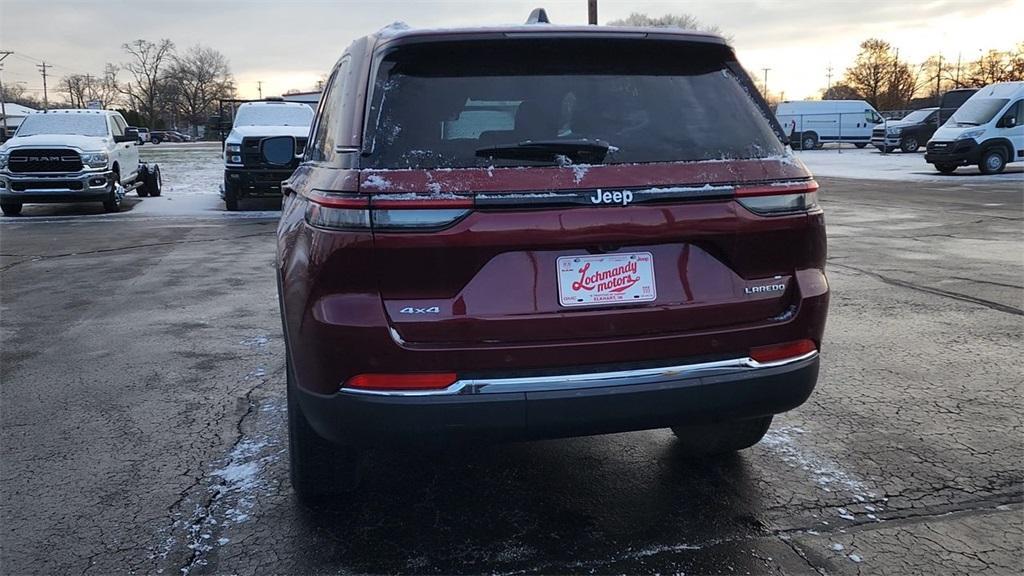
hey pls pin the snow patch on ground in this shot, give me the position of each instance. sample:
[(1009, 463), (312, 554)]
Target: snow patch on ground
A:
[(827, 474)]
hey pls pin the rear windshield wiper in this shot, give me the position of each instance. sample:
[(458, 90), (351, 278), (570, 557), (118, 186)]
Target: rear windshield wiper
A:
[(581, 151)]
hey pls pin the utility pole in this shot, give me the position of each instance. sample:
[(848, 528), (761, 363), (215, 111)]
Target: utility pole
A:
[(828, 77), (42, 68), (938, 83), (766, 82), (259, 86), (592, 12), (3, 95), (957, 82)]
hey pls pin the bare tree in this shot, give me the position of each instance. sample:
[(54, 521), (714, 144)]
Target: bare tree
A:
[(881, 77), (145, 65), (684, 21), (106, 89), (199, 77), (840, 91), (75, 87)]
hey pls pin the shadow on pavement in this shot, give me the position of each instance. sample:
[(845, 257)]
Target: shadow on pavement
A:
[(558, 506)]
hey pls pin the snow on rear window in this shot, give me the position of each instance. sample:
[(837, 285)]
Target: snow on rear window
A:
[(61, 123), (274, 115)]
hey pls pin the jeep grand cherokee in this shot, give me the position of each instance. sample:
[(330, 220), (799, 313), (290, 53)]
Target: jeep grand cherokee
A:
[(542, 231)]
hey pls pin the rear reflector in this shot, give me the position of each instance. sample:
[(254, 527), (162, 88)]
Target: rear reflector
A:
[(438, 381), (784, 351)]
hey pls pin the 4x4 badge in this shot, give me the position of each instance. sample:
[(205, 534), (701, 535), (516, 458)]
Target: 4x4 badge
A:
[(412, 310)]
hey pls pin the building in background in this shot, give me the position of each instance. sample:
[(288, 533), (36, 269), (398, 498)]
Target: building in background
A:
[(310, 98), (15, 113)]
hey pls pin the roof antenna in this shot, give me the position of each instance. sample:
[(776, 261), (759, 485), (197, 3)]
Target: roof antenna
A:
[(538, 16)]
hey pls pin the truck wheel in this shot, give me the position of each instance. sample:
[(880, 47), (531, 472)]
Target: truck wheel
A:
[(141, 179), (230, 197), (319, 469), (909, 144), (113, 204), (992, 161), (946, 168), (153, 184), (722, 437), (11, 208)]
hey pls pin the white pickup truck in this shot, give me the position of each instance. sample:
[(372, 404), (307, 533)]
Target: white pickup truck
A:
[(73, 156)]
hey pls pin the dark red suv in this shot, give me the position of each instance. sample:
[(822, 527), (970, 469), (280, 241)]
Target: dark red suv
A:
[(543, 231)]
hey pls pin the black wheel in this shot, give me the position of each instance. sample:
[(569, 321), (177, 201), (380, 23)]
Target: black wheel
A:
[(808, 141), (153, 184), (11, 208), (909, 144), (230, 197), (946, 168), (722, 437), (141, 179), (992, 161), (113, 204), (319, 469)]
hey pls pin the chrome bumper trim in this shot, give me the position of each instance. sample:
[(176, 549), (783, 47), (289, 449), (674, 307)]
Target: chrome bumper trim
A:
[(593, 379)]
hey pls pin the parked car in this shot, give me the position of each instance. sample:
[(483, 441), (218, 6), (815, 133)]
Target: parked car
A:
[(988, 130), (245, 173), (73, 156), (484, 242), (158, 136), (951, 101), (812, 123), (143, 133), (908, 134)]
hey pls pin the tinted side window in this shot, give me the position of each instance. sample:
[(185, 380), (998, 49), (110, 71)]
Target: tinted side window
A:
[(325, 135)]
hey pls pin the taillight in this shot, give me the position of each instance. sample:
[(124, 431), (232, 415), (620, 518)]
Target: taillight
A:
[(784, 351), (386, 212), (433, 381), (779, 197)]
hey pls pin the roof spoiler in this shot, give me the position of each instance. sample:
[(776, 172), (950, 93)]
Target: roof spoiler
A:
[(538, 16)]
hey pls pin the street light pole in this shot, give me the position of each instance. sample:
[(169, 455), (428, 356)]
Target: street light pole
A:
[(766, 82)]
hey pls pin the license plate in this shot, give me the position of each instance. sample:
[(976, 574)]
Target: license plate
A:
[(606, 279)]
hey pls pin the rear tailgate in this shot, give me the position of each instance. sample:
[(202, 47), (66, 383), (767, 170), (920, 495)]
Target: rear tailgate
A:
[(493, 276)]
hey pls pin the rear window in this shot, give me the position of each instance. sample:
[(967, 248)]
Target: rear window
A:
[(437, 105)]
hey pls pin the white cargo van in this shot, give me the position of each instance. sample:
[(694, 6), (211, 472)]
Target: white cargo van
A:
[(811, 123), (988, 130)]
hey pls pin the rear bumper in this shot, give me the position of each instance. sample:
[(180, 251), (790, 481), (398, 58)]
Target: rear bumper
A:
[(574, 405), (959, 152)]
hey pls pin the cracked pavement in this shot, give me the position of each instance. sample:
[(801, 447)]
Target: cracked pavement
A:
[(143, 420)]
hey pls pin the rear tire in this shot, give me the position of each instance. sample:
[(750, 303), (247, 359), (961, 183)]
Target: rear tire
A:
[(140, 178), (992, 161), (153, 184), (808, 141), (721, 437), (319, 469), (11, 208), (909, 144), (946, 168)]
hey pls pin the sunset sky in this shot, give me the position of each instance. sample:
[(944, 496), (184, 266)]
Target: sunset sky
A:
[(289, 44)]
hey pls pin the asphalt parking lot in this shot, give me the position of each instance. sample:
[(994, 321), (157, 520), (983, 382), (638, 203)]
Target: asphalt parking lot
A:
[(143, 416)]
